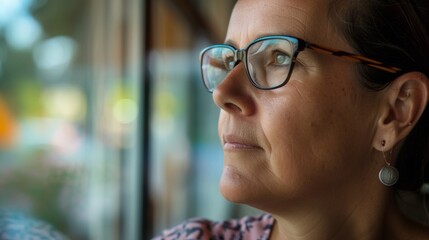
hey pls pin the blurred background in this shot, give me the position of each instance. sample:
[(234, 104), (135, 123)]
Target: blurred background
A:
[(106, 131)]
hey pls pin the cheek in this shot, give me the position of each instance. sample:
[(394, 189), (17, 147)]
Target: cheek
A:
[(308, 134), (286, 125), (221, 122)]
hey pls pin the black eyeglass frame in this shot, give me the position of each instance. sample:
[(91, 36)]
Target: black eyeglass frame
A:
[(240, 55)]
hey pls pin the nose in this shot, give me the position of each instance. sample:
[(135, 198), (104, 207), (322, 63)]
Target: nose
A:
[(235, 93)]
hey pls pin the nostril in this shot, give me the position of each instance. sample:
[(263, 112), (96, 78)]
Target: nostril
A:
[(233, 107)]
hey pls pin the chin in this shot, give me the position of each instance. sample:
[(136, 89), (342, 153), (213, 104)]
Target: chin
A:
[(242, 188), (235, 187), (232, 194), (246, 195)]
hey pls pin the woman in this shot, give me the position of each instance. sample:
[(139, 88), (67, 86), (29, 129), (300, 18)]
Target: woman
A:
[(314, 136)]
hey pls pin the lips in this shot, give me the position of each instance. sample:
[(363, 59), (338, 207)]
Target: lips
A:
[(234, 142)]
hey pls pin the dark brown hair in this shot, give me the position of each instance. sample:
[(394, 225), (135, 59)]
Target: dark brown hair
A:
[(395, 32)]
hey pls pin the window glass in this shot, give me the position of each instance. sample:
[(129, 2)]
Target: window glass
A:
[(69, 111)]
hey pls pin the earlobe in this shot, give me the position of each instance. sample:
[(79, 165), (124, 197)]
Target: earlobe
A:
[(402, 105)]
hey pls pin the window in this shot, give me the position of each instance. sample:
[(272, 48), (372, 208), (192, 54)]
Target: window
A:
[(70, 74)]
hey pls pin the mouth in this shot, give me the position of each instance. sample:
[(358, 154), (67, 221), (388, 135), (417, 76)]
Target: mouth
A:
[(233, 142)]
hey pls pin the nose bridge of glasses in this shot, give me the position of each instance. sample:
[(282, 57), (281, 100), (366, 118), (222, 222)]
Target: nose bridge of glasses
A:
[(239, 55)]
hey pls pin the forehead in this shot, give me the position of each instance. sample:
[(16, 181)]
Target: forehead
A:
[(306, 19)]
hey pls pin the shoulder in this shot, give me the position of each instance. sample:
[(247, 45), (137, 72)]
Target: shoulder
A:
[(258, 227)]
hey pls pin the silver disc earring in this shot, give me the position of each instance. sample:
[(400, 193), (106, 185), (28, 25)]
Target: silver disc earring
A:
[(388, 175)]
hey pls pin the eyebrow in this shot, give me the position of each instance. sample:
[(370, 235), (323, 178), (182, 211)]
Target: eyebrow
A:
[(230, 42)]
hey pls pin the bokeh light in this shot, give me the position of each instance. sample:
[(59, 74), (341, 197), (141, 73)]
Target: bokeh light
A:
[(55, 54), (125, 110), (23, 32)]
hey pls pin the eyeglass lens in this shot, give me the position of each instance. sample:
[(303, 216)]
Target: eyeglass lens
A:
[(268, 63)]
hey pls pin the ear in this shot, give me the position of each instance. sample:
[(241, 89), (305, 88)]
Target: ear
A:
[(401, 106)]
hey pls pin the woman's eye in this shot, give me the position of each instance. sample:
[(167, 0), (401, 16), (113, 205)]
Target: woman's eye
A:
[(281, 58)]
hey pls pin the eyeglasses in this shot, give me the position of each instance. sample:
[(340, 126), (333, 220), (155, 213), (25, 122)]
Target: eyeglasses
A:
[(268, 61)]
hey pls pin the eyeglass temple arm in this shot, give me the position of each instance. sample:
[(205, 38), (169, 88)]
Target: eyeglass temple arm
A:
[(353, 57)]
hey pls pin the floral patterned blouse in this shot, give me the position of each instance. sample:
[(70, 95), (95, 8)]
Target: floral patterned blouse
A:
[(246, 228)]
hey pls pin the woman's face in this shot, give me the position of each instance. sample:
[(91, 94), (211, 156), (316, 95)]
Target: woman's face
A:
[(307, 139)]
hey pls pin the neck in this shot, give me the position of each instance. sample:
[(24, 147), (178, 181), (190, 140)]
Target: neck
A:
[(360, 215), (369, 218)]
